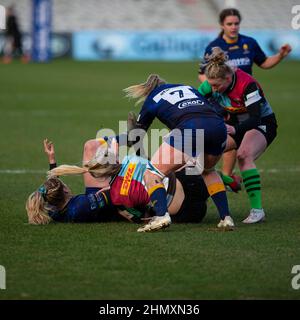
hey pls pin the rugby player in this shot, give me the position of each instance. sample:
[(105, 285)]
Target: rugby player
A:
[(251, 125), (183, 110), (53, 201), (243, 52)]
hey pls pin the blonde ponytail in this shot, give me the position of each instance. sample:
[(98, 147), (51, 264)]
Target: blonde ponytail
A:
[(66, 170), (142, 90), (97, 170)]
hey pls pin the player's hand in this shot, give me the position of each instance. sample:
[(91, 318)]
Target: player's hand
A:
[(285, 50), (230, 130), (49, 150), (131, 121)]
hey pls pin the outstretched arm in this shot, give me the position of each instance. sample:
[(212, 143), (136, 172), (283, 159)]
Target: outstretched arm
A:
[(50, 152), (275, 59)]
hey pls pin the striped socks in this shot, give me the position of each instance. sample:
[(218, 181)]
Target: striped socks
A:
[(251, 179)]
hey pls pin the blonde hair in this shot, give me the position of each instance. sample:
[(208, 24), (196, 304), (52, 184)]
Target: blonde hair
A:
[(142, 90), (94, 167), (102, 165), (51, 194), (216, 64)]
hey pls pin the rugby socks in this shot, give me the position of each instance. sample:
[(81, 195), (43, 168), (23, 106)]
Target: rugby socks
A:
[(226, 179), (218, 194), (158, 197), (251, 179)]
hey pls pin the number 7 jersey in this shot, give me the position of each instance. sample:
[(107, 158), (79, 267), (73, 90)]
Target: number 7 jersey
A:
[(172, 104)]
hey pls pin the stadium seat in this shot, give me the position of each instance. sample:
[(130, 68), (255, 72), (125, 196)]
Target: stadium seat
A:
[(155, 14)]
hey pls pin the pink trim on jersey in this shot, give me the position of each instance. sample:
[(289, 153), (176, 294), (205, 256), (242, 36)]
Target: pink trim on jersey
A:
[(137, 195), (236, 94)]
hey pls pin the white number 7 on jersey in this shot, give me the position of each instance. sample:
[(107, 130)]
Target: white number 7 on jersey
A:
[(175, 94)]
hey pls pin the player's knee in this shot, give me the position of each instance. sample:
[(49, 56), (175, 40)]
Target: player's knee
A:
[(244, 155), (151, 179), (90, 146)]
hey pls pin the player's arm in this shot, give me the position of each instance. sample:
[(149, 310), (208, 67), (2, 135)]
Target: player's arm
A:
[(145, 117), (124, 138), (205, 89), (253, 101), (114, 142), (137, 128), (50, 152), (272, 61)]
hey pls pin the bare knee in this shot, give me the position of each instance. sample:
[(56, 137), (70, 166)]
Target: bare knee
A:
[(244, 156), (151, 179), (91, 145), (90, 149)]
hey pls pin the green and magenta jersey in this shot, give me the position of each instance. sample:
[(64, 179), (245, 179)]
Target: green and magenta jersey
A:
[(128, 188)]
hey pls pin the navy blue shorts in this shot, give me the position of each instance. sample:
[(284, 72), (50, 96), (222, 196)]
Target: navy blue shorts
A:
[(188, 139)]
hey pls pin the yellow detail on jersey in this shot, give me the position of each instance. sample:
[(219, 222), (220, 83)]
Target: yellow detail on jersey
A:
[(245, 46), (234, 47), (229, 41), (127, 179), (105, 197), (232, 109)]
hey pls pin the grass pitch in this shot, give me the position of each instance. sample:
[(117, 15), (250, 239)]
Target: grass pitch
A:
[(68, 102)]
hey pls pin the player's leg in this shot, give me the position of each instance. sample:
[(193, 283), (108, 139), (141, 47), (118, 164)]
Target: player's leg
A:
[(232, 182), (229, 159), (253, 145), (89, 151), (166, 159), (215, 141), (216, 190)]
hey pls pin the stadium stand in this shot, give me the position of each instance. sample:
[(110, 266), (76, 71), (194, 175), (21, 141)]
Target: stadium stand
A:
[(73, 15), (261, 14)]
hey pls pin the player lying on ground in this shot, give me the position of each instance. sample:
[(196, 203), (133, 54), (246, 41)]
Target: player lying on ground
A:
[(186, 196)]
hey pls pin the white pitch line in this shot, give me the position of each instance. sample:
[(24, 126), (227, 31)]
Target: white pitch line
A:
[(21, 171), (274, 170), (31, 171)]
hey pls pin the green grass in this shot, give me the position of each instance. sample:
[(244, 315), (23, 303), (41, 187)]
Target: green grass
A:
[(68, 102)]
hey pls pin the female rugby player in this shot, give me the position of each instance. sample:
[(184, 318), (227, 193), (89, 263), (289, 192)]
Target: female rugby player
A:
[(251, 124), (186, 112), (186, 197)]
